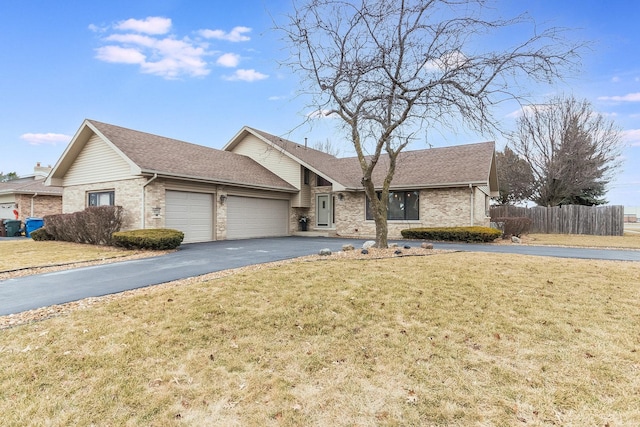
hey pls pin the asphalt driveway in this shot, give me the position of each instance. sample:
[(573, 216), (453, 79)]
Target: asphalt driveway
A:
[(30, 292)]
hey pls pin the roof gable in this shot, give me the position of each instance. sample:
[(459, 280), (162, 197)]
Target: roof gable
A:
[(434, 167), (152, 154)]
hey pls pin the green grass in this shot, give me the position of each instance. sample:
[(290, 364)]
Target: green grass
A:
[(449, 339)]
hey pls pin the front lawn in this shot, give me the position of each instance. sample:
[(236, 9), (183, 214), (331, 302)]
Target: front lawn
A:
[(18, 254), (449, 339), (628, 241)]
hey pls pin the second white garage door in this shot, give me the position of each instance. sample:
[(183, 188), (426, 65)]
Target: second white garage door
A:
[(191, 213), (249, 217)]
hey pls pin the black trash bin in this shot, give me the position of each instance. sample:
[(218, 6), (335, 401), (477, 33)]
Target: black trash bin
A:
[(12, 227)]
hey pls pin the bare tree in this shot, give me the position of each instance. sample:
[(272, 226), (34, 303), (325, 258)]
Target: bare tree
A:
[(515, 177), (572, 150), (327, 147), (388, 69)]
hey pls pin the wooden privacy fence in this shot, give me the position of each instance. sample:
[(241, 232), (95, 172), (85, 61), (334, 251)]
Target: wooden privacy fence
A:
[(568, 219)]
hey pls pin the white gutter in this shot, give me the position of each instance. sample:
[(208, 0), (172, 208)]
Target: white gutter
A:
[(32, 202), (142, 208), (472, 208)]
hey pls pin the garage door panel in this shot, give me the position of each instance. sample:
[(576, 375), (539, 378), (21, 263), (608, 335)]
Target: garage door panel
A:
[(191, 213), (249, 217)]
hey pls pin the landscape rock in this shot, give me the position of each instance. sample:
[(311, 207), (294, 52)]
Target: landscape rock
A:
[(397, 252), (426, 245), (347, 247), (407, 247), (368, 244), (325, 252), (515, 239), (364, 252)]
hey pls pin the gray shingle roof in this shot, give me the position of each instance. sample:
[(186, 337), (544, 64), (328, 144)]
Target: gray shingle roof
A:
[(166, 156), (30, 186), (446, 166)]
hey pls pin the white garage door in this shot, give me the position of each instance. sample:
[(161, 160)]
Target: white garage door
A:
[(249, 217), (191, 213)]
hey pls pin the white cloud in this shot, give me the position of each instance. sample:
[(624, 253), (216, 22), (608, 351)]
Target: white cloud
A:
[(448, 61), (120, 55), (151, 44), (237, 34), (630, 97), (276, 98), (45, 138), (616, 79), (165, 56), (246, 75), (632, 137), (155, 25), (228, 60)]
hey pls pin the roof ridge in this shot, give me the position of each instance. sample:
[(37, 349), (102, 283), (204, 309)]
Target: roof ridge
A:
[(154, 135)]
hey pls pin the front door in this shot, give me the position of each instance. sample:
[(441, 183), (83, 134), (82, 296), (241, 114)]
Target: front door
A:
[(323, 210)]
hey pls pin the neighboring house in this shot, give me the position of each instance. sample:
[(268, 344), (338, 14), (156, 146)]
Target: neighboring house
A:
[(259, 185), (29, 197)]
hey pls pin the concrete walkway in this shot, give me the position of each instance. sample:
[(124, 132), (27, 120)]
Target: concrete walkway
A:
[(30, 292)]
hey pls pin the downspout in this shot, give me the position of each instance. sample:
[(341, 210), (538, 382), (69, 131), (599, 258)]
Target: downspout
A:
[(472, 208), (33, 202), (142, 220)]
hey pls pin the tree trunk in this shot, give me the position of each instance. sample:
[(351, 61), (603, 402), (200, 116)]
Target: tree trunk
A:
[(381, 232)]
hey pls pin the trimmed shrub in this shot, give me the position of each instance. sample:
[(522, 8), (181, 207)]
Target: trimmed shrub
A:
[(94, 225), (41, 234), (154, 238), (453, 234), (514, 226)]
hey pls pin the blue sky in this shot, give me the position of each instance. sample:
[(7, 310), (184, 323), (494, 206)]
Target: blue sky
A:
[(200, 70)]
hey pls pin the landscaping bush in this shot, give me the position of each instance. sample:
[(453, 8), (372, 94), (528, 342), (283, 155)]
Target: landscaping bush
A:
[(514, 226), (41, 234), (155, 238), (455, 234), (94, 225)]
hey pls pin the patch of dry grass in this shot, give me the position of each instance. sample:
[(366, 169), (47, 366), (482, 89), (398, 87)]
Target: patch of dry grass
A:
[(450, 339), (17, 254), (628, 241)]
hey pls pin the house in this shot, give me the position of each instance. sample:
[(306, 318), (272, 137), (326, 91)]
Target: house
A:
[(29, 197), (259, 185)]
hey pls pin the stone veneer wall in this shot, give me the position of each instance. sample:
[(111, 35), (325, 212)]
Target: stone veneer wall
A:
[(446, 207), (42, 205)]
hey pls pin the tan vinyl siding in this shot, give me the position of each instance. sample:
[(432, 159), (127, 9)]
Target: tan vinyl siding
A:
[(271, 158), (97, 162)]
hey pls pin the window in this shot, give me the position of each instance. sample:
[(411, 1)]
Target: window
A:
[(306, 175), (102, 198), (401, 205), (321, 182)]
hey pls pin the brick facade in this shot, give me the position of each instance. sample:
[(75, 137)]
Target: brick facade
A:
[(447, 207), (38, 206), (128, 194)]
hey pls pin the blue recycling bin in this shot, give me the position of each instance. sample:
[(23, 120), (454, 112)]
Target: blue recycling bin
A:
[(32, 224)]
